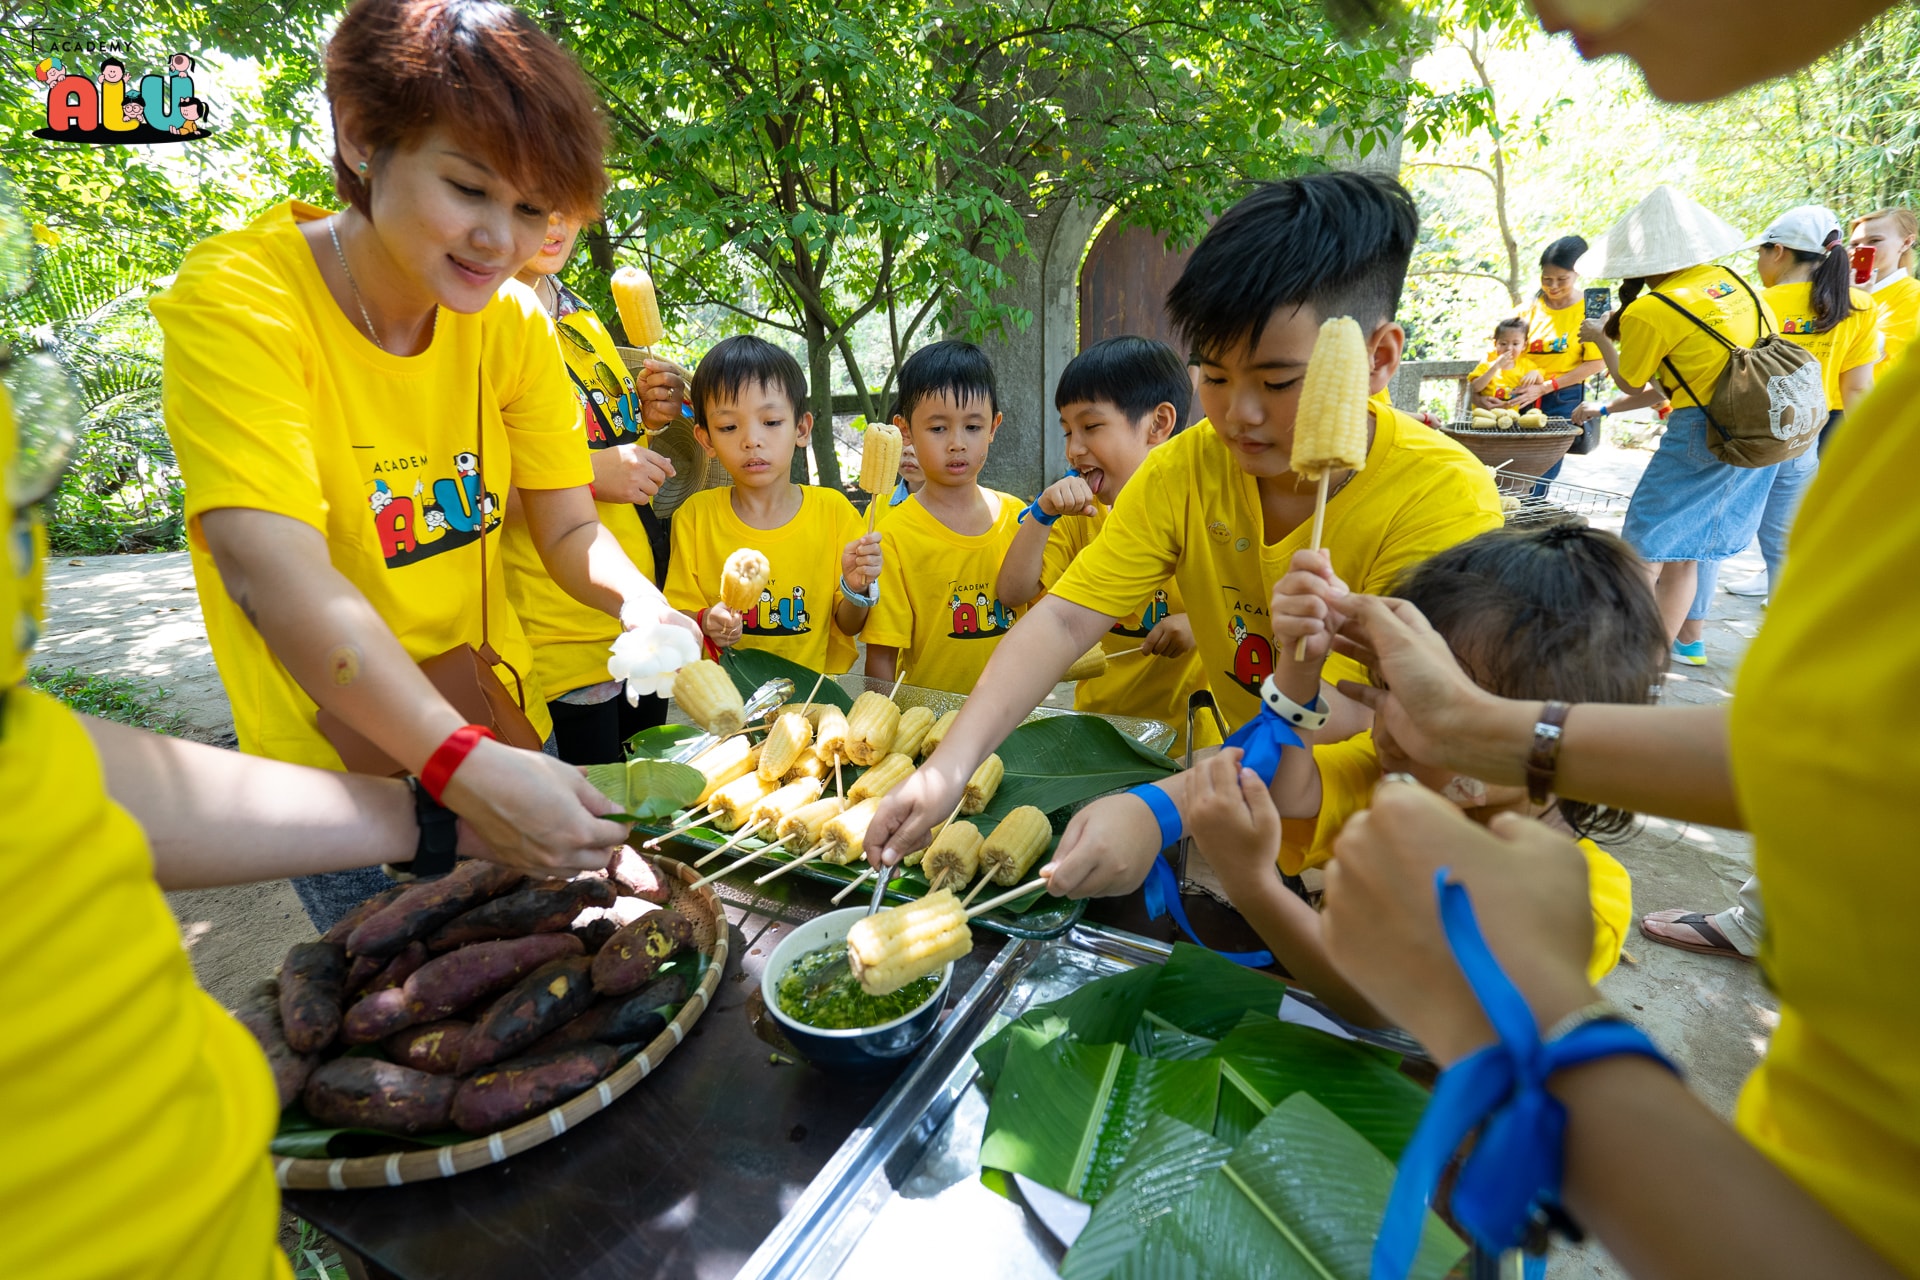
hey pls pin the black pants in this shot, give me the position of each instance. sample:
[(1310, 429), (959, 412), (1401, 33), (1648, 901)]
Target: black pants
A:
[(597, 734)]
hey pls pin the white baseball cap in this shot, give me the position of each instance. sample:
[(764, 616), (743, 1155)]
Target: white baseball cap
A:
[(1810, 228)]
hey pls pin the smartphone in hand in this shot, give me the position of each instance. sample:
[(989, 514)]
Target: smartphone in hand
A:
[(1863, 264), (1599, 303)]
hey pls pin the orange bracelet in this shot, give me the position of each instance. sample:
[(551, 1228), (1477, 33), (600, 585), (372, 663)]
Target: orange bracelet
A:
[(449, 756)]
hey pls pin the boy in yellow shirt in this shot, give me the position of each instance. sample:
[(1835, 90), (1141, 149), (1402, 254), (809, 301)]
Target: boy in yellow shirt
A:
[(1118, 399), (1494, 379), (747, 411), (1218, 508), (940, 615)]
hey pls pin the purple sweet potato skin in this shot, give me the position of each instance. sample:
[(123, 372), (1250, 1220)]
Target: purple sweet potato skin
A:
[(434, 1048), (259, 1013), (637, 876), (370, 1093), (445, 985), (521, 1087), (634, 1019), (425, 907), (362, 973), (544, 908), (313, 981), (397, 970), (632, 955), (377, 1015), (343, 927), (554, 994)]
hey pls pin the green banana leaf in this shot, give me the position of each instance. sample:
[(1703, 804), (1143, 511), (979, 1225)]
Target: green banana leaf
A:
[(1105, 1011), (1300, 1197), (1155, 1037), (1065, 1114), (1206, 994), (1266, 1061), (305, 1138), (1062, 761), (646, 789), (660, 741), (751, 668)]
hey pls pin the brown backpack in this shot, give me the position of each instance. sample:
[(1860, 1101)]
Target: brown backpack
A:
[(1770, 401)]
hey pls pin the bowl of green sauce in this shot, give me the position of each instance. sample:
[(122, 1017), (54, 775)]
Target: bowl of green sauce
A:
[(839, 1026)]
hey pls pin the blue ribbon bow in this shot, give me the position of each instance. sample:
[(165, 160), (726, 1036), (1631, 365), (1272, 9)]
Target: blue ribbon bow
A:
[(1514, 1170)]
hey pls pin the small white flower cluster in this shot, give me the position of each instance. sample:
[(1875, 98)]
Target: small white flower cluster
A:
[(648, 656)]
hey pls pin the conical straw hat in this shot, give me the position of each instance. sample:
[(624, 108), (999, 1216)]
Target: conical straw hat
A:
[(1667, 231)]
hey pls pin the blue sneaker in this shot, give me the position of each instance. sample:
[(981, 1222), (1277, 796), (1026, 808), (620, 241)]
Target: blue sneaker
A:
[(1694, 655)]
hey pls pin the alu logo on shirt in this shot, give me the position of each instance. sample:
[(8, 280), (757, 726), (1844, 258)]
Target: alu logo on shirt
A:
[(975, 614), (433, 518), (1150, 617), (114, 112), (786, 616), (1252, 652), (1542, 347)]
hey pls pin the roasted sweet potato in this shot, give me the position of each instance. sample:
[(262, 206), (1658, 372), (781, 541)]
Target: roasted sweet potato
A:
[(259, 1013), (506, 1094), (635, 875), (361, 973), (547, 907), (343, 927), (631, 955), (403, 966), (434, 1048), (313, 985), (377, 1015), (554, 994), (445, 985), (594, 934), (427, 905), (634, 1019), (369, 1093)]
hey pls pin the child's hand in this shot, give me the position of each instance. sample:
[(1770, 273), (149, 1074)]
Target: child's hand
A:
[(1068, 496), (722, 626), (1531, 377), (860, 562), (1309, 604), (1232, 819), (1107, 849), (1171, 637), (1503, 360)]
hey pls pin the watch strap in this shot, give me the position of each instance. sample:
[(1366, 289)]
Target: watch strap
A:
[(439, 834), (1543, 759)]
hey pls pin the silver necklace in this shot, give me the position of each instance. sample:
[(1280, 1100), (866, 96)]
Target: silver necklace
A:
[(333, 229)]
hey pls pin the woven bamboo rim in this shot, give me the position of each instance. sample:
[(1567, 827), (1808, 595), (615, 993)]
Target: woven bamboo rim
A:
[(444, 1162), (1554, 427)]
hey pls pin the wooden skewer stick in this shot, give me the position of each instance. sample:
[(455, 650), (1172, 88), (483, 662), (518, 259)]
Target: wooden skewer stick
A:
[(986, 878), (785, 867), (940, 826), (853, 884), (729, 869), (1319, 524), (1000, 901), (733, 841), (816, 689), (839, 788), (693, 820), (896, 685)]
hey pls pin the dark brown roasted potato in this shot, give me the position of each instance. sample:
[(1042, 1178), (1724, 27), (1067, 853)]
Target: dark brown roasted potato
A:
[(548, 907), (631, 956), (313, 984), (427, 905), (554, 994), (434, 1048), (372, 1094), (510, 1092), (445, 985), (259, 1013), (622, 1020)]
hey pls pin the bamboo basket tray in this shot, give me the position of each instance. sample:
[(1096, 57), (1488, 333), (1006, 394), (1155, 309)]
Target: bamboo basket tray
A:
[(395, 1169), (1519, 449)]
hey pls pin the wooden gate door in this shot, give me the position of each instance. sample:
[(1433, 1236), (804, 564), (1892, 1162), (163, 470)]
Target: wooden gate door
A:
[(1124, 283)]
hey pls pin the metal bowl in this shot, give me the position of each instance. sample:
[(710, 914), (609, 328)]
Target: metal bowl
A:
[(873, 1049)]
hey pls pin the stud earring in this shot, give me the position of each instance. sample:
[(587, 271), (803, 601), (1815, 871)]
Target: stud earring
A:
[(363, 166)]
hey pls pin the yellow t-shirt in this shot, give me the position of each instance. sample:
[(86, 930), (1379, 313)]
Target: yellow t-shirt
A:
[(1135, 683), (1897, 304), (1500, 386), (1192, 514), (1652, 332), (937, 604), (1829, 799), (275, 401), (1853, 342), (138, 1111), (795, 615), (571, 640), (1349, 772), (1553, 337)]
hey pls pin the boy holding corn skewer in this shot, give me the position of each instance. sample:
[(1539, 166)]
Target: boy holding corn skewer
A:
[(1219, 508), (808, 549)]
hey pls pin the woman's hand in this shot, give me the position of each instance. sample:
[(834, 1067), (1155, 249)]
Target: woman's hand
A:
[(1171, 637), (629, 473), (860, 562), (1426, 702), (663, 389), (911, 810), (1595, 332), (532, 811), (722, 626), (1583, 412), (1381, 921), (1309, 604), (1107, 849), (1231, 816)]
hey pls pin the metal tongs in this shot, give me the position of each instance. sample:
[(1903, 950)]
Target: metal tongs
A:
[(769, 696)]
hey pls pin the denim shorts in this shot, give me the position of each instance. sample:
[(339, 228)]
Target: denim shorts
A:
[(1689, 505)]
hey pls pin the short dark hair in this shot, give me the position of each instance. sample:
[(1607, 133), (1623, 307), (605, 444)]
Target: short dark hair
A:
[(1336, 242), (1563, 253), (741, 361), (1136, 375), (955, 368), (112, 62), (1511, 322), (1561, 611)]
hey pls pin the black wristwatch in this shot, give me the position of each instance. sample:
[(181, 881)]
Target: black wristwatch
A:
[(439, 834)]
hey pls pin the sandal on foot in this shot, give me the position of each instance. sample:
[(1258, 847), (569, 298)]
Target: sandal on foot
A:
[(1706, 937)]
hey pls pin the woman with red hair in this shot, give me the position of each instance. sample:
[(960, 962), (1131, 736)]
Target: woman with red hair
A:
[(352, 395)]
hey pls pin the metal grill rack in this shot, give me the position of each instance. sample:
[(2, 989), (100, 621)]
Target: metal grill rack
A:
[(1559, 500)]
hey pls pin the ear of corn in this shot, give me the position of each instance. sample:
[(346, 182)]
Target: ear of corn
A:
[(734, 802), (706, 693), (882, 778), (912, 730), (846, 834), (723, 762), (783, 800), (810, 821), (742, 578), (812, 712), (1088, 665), (937, 732), (953, 858), (808, 765), (830, 736), (639, 307), (880, 450), (891, 948), (870, 727), (1330, 426), (1015, 845), (790, 735), (981, 786)]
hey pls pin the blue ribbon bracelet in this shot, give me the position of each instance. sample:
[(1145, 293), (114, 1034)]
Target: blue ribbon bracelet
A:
[(1033, 511), (1511, 1180)]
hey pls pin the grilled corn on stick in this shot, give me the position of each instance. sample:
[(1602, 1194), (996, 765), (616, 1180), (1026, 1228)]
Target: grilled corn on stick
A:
[(981, 786), (891, 948), (811, 711), (882, 778), (733, 804), (954, 857), (1330, 425), (830, 735), (810, 821), (790, 735), (722, 764), (845, 836), (808, 765), (871, 726), (639, 308), (880, 450), (912, 730), (939, 730), (1088, 666), (1015, 845), (786, 799), (742, 578), (707, 694)]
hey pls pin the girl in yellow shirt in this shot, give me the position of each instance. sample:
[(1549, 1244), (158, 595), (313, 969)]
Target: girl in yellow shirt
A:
[(1890, 233)]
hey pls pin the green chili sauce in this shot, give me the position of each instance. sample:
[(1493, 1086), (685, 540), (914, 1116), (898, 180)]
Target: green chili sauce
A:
[(842, 1005)]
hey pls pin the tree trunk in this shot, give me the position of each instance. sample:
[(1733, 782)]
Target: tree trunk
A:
[(820, 399)]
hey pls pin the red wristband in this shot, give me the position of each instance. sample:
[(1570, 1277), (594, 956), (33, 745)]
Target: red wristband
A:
[(449, 756), (707, 647), (592, 494)]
